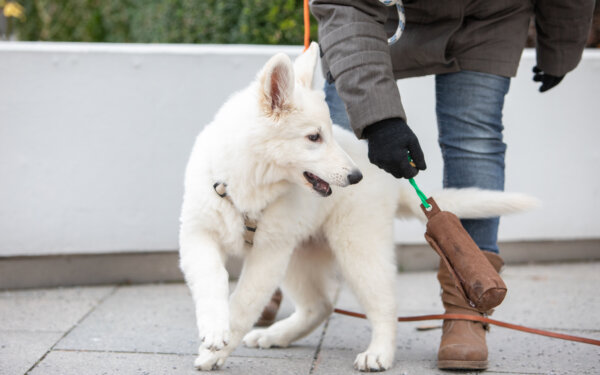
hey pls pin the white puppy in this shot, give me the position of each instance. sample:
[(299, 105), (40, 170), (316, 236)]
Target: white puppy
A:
[(272, 150)]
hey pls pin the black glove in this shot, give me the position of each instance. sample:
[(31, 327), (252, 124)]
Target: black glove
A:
[(390, 142), (548, 81)]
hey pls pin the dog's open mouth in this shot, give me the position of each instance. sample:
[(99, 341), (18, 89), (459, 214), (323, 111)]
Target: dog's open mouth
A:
[(318, 184)]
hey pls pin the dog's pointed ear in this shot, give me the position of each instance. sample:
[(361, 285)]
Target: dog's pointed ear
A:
[(305, 64), (277, 85)]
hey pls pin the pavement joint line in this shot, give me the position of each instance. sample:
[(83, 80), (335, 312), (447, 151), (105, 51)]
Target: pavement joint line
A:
[(513, 372), (29, 331), (579, 330), (559, 330), (161, 353), (313, 365), (120, 352), (92, 309)]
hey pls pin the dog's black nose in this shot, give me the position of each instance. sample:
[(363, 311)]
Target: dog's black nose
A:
[(355, 177)]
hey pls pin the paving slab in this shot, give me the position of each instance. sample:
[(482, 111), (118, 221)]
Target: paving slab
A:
[(143, 318), (55, 310), (339, 362), (548, 291), (353, 335), (160, 318), (525, 353), (32, 321), (61, 362), (562, 296), (416, 292), (510, 351), (20, 350), (151, 329), (302, 349)]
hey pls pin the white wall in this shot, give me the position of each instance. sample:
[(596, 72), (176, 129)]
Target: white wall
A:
[(94, 141)]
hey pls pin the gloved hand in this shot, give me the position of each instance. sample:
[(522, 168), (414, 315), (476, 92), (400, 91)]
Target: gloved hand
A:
[(390, 141), (548, 81)]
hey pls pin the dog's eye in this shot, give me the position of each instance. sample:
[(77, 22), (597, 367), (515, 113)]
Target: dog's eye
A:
[(314, 137)]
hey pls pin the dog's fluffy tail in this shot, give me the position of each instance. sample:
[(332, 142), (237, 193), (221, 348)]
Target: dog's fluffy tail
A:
[(468, 203)]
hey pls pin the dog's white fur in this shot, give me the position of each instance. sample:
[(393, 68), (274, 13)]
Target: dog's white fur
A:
[(258, 145)]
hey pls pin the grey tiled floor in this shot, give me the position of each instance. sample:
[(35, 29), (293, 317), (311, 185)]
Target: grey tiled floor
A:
[(150, 329)]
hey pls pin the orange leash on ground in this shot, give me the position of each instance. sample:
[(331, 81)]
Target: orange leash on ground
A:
[(451, 316), (483, 320)]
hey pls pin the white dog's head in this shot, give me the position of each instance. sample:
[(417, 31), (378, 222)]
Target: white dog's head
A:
[(295, 127)]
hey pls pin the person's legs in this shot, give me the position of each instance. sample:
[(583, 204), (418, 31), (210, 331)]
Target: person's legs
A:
[(469, 114)]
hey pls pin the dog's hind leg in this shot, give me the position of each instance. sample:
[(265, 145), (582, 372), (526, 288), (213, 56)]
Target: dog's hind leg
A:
[(363, 246), (309, 283)]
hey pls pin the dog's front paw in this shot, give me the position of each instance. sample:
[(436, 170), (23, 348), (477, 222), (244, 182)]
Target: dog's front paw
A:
[(215, 339), (264, 338), (373, 361), (208, 360)]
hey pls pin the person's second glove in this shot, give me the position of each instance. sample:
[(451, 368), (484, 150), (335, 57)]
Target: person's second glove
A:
[(548, 81), (390, 142)]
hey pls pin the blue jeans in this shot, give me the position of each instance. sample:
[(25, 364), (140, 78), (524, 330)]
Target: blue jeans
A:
[(469, 115)]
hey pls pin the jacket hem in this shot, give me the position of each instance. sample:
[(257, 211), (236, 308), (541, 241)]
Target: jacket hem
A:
[(505, 69)]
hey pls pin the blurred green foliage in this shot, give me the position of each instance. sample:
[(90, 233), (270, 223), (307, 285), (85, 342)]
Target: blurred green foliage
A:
[(165, 21)]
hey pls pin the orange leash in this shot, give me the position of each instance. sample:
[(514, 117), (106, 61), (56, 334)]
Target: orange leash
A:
[(306, 26), (483, 320)]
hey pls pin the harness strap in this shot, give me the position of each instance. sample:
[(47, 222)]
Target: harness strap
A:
[(250, 225)]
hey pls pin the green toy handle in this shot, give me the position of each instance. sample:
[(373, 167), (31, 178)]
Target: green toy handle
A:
[(421, 195)]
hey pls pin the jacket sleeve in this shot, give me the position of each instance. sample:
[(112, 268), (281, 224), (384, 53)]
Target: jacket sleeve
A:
[(356, 54), (562, 30)]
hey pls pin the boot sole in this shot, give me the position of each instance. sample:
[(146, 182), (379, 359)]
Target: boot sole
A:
[(462, 365)]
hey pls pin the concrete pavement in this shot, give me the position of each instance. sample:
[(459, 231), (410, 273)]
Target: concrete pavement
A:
[(150, 329)]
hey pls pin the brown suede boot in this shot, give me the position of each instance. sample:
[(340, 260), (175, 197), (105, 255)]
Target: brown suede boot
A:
[(463, 344), (270, 311)]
